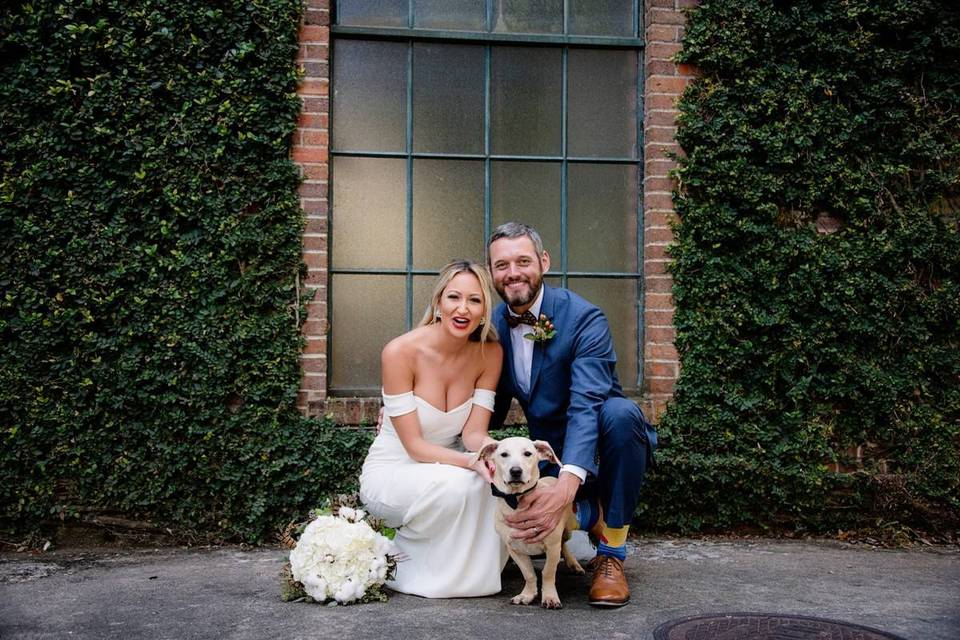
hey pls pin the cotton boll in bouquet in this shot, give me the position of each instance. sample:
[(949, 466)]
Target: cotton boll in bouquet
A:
[(342, 556)]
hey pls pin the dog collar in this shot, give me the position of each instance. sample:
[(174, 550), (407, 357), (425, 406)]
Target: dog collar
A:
[(512, 499)]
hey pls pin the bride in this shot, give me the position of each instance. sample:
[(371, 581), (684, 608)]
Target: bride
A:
[(438, 382)]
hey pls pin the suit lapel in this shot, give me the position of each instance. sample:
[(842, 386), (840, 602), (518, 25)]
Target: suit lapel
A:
[(546, 308), (507, 344)]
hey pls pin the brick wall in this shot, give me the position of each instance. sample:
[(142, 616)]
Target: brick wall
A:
[(664, 81), (311, 151)]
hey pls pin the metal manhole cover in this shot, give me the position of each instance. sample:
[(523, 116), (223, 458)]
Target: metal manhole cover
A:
[(764, 626)]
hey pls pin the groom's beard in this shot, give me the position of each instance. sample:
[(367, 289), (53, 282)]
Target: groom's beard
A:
[(520, 297)]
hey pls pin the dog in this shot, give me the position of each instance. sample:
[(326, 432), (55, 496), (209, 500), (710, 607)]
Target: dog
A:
[(516, 471)]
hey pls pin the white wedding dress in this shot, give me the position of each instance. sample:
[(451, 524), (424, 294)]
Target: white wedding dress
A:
[(444, 513)]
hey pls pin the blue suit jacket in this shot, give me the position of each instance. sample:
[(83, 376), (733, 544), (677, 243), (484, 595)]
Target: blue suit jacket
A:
[(572, 374)]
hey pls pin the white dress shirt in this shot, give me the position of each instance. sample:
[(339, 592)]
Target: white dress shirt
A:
[(523, 363)]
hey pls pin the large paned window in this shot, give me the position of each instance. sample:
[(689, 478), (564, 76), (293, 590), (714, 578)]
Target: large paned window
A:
[(450, 117)]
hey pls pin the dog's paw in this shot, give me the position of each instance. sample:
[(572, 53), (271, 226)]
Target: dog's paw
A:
[(522, 598), (551, 602), (575, 567)]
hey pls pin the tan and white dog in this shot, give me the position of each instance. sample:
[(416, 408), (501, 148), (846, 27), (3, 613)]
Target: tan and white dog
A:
[(516, 471)]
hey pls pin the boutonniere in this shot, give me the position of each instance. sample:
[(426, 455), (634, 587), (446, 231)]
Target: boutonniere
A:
[(542, 331)]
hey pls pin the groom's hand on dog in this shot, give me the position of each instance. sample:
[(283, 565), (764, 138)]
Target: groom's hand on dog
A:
[(540, 511)]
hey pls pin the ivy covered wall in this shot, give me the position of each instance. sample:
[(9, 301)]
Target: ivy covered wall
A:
[(150, 246), (817, 268)]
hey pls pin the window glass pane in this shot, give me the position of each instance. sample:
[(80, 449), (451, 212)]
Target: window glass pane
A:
[(368, 220), (372, 13), (602, 17), (525, 93), (448, 98), (469, 15), (603, 103), (528, 16), (367, 312), (602, 217), (447, 212), (529, 192), (618, 300), (369, 96), (422, 288)]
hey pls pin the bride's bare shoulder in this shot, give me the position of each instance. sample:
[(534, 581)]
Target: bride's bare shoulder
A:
[(405, 346)]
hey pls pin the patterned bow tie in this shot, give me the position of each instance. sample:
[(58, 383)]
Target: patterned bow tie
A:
[(526, 318)]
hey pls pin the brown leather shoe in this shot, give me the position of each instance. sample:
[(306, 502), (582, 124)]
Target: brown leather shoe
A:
[(609, 587)]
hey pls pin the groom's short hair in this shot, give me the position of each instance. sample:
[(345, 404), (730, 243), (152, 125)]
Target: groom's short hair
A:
[(512, 230)]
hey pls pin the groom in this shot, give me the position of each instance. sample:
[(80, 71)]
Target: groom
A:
[(569, 392)]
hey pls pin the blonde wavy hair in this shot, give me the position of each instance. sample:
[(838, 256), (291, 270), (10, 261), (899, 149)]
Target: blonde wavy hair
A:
[(486, 331)]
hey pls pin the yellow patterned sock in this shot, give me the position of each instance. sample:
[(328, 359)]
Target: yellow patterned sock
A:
[(615, 537)]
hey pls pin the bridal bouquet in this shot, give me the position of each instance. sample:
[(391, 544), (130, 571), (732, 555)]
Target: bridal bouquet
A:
[(341, 558)]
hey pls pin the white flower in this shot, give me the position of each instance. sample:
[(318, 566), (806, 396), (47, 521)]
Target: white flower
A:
[(340, 557)]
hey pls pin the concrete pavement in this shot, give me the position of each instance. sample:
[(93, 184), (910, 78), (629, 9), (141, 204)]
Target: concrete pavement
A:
[(234, 594)]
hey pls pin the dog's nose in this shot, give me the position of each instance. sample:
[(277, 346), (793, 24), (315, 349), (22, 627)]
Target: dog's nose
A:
[(516, 472)]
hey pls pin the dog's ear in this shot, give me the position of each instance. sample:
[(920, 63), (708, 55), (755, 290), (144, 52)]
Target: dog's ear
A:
[(484, 453), (546, 451)]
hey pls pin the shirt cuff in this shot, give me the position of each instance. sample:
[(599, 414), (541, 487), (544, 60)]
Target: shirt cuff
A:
[(580, 472)]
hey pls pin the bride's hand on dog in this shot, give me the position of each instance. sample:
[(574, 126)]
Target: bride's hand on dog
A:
[(481, 467)]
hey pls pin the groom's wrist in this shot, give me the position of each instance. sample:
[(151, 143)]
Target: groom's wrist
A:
[(569, 483)]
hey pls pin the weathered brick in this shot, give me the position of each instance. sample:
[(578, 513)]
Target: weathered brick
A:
[(658, 167), (657, 234), (314, 87), (661, 33), (654, 267), (314, 382), (655, 252), (315, 345), (655, 135), (315, 69), (314, 243), (315, 208), (657, 201), (662, 101), (657, 318), (662, 118), (661, 369), (317, 52), (661, 50), (661, 67), (312, 120), (314, 260), (661, 385), (657, 183), (664, 15), (314, 34), (315, 226), (673, 85), (313, 364), (315, 171), (658, 283), (314, 137), (661, 352), (317, 156), (313, 190), (317, 16)]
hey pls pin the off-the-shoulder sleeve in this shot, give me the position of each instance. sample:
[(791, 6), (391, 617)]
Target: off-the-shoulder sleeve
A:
[(484, 398), (399, 404)]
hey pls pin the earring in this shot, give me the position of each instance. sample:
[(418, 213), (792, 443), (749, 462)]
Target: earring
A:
[(436, 316), (482, 320)]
